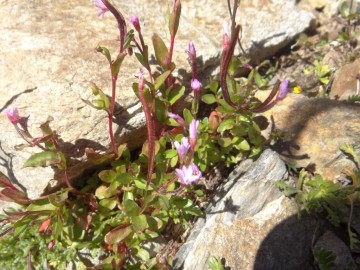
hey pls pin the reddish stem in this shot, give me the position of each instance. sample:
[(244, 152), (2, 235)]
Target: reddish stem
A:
[(225, 62), (111, 113), (121, 23), (151, 135)]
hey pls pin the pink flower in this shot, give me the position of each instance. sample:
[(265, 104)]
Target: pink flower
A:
[(192, 52), (196, 85), (135, 22), (102, 8), (284, 89), (188, 175), (226, 36), (182, 148), (193, 133), (177, 118), (13, 115)]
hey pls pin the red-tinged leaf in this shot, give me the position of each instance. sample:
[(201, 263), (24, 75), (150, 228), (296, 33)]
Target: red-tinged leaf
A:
[(161, 52), (44, 225), (5, 182), (117, 235), (25, 213), (11, 195), (175, 18)]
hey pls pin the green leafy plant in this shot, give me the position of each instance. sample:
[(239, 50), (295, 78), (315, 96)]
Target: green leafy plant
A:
[(325, 259), (215, 264)]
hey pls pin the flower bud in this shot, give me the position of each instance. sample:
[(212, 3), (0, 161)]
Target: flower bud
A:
[(284, 89), (214, 121), (135, 22), (141, 80), (192, 52), (193, 128)]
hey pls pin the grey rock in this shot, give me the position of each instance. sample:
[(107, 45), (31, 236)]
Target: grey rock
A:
[(48, 59), (250, 223), (314, 129)]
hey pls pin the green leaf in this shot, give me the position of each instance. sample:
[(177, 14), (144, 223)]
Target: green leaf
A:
[(208, 98), (224, 142), (344, 9), (117, 235), (225, 107), (161, 52), (128, 38), (124, 178), (141, 184), (43, 159), (187, 116), (325, 259), (170, 153), (176, 94), (139, 222), (41, 205), (161, 79), (260, 82), (45, 127), (213, 86), (115, 66), (160, 110), (131, 208), (58, 199), (105, 52), (108, 203), (227, 124), (215, 264), (242, 145), (107, 176)]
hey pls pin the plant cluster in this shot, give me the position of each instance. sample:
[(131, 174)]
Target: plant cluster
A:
[(334, 200), (119, 210)]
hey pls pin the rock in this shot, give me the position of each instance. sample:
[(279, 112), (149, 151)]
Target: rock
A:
[(250, 223), (330, 242), (346, 81), (48, 60), (314, 130)]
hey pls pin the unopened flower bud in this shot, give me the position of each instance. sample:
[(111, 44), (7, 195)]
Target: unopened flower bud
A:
[(135, 22), (192, 52), (214, 121), (284, 89), (141, 80), (193, 128)]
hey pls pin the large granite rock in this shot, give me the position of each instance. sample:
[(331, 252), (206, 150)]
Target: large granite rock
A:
[(250, 224), (48, 59), (314, 129)]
